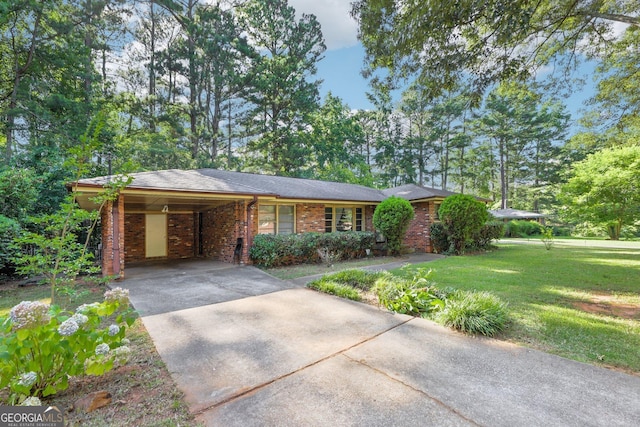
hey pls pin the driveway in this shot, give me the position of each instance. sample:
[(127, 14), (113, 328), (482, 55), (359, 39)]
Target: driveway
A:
[(296, 357)]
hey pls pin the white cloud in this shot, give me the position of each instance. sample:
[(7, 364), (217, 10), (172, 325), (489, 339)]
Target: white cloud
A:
[(338, 28)]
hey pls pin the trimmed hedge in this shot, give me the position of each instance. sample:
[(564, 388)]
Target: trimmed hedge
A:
[(273, 250), (521, 228)]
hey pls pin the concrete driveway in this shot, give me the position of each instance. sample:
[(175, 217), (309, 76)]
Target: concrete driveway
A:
[(297, 357)]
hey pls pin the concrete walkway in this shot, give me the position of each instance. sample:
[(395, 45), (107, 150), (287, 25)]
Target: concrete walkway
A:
[(297, 357)]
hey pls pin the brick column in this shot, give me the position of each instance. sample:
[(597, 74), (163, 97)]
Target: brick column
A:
[(113, 238)]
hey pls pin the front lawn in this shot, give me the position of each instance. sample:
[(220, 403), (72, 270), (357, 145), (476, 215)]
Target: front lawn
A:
[(577, 302)]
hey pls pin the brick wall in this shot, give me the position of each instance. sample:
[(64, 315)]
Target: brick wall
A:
[(221, 227), (113, 224), (309, 218), (181, 235), (418, 234), (134, 235)]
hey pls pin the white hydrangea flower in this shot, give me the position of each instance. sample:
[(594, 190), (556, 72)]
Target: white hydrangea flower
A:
[(29, 314), (80, 318), (68, 327), (86, 307), (31, 401), (28, 379), (102, 349), (113, 330), (117, 294), (125, 341), (122, 354)]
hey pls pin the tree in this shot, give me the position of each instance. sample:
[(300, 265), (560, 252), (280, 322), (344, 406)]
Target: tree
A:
[(462, 216), (443, 42), (278, 83), (392, 217), (604, 189)]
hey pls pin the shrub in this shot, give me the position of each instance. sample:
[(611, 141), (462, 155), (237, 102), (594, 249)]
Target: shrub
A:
[(474, 312), (414, 297), (462, 216), (392, 218), (9, 230), (272, 250), (489, 232), (439, 238), (42, 346), (520, 228), (335, 288)]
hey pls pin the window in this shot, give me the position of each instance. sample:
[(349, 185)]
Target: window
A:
[(343, 219), (276, 219)]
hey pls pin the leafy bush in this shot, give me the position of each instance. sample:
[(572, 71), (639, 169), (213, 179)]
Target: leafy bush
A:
[(474, 312), (407, 296), (520, 228), (9, 230), (392, 217), (489, 232), (335, 288), (272, 250), (462, 216), (439, 238), (41, 347)]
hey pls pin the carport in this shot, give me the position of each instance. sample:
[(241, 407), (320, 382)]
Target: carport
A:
[(163, 216)]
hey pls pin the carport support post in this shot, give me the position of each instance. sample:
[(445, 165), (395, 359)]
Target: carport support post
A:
[(113, 238)]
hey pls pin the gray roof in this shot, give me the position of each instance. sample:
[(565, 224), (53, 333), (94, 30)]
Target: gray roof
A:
[(416, 192), (228, 182), (515, 214)]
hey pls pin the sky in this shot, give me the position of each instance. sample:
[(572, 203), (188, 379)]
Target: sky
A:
[(343, 59)]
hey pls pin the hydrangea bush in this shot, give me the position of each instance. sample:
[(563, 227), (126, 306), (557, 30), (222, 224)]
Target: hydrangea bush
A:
[(41, 347)]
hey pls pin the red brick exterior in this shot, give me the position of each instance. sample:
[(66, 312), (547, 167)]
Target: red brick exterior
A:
[(134, 226), (418, 234), (221, 227), (309, 218), (113, 238), (181, 236)]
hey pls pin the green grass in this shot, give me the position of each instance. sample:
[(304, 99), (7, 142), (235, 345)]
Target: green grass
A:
[(552, 297), (335, 288)]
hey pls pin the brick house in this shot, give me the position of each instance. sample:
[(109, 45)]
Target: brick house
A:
[(178, 214)]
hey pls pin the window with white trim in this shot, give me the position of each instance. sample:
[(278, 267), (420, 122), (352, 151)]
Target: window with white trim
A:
[(276, 219), (343, 218)]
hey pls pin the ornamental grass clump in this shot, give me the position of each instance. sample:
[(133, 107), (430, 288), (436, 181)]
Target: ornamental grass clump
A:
[(474, 313), (42, 346)]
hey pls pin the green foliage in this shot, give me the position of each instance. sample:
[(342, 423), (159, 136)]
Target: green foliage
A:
[(521, 228), (335, 288), (413, 297), (547, 238), (272, 250), (42, 347), (392, 217), (492, 230), (439, 238), (462, 216), (474, 313), (18, 193), (9, 230), (603, 189)]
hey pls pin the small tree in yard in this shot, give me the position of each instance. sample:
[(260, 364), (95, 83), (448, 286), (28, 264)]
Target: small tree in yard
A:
[(392, 218), (462, 216)]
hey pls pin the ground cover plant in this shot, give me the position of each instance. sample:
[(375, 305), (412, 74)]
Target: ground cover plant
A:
[(577, 302), (471, 312), (143, 392)]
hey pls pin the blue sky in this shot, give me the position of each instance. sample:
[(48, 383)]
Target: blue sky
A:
[(342, 63)]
